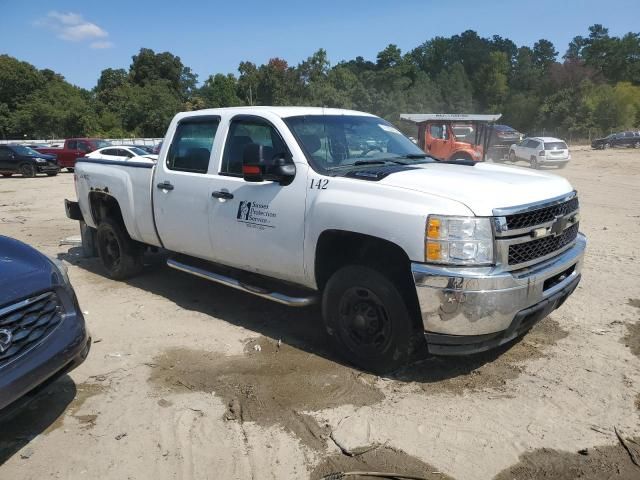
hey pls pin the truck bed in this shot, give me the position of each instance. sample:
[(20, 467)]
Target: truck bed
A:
[(130, 183)]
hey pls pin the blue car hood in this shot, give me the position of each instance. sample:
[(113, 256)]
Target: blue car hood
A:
[(23, 271)]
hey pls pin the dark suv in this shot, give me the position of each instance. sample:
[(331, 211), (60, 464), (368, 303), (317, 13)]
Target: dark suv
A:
[(622, 139), (26, 161), (42, 330)]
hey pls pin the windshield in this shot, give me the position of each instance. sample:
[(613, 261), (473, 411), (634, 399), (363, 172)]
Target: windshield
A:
[(20, 150), (333, 141), (555, 146), (101, 143), (138, 151)]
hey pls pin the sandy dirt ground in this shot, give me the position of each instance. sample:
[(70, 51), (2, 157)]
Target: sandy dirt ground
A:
[(175, 386)]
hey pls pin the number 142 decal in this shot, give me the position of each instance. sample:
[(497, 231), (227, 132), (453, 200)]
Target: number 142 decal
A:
[(319, 183)]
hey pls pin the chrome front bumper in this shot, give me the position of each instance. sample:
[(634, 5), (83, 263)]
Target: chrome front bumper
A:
[(483, 302)]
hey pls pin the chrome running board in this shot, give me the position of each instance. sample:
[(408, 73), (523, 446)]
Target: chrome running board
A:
[(291, 301)]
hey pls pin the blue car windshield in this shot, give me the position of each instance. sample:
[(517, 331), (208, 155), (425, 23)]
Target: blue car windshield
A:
[(20, 150)]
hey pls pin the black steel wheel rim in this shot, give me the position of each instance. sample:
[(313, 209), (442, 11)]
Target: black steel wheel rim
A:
[(364, 321), (27, 170), (111, 250)]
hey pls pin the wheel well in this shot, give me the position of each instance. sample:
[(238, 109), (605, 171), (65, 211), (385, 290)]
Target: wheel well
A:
[(338, 248), (104, 206), (460, 154)]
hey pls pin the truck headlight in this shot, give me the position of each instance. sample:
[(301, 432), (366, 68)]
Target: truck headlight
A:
[(459, 240), (41, 160)]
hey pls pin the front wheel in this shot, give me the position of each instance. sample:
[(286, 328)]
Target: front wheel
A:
[(368, 319), (512, 156), (27, 170), (605, 146), (636, 145), (120, 255)]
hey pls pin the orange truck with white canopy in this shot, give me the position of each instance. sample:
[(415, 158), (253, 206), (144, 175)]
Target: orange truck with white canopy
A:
[(447, 136)]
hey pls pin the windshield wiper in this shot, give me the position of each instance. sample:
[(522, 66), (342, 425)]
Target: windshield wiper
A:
[(415, 156)]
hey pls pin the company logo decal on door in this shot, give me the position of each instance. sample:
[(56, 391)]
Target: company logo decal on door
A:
[(255, 215)]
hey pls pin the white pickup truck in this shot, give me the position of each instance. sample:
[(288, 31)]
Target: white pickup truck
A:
[(302, 205)]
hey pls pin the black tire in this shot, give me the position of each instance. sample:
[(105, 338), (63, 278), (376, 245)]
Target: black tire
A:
[(636, 145), (7, 175), (512, 156), (52, 174), (27, 170), (120, 255), (69, 169), (605, 146), (534, 163), (368, 319)]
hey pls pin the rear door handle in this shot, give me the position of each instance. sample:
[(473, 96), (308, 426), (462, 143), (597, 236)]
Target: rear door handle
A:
[(165, 185), (222, 194)]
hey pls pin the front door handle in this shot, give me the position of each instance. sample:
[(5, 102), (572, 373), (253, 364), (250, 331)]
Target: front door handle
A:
[(165, 185), (222, 194)]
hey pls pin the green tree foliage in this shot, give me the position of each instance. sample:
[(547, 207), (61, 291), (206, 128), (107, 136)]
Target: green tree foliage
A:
[(595, 86)]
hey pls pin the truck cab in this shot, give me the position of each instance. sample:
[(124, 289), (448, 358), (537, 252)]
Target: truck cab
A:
[(303, 205)]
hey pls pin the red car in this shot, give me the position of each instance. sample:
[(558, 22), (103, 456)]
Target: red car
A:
[(74, 148)]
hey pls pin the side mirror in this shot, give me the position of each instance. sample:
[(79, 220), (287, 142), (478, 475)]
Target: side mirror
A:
[(258, 165)]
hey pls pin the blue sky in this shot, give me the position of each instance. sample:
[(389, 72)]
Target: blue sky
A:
[(80, 38)]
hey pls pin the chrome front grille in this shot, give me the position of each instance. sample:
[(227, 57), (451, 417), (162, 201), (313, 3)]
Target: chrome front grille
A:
[(525, 252), (530, 234), (24, 324), (543, 215)]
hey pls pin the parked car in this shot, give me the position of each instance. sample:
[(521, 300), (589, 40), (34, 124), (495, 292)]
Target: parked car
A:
[(397, 247), (622, 139), (74, 148), (156, 148), (540, 151), (146, 148), (121, 152), (42, 330), (26, 161), (502, 137)]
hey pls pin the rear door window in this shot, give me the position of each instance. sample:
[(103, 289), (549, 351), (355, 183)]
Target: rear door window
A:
[(72, 145), (190, 149)]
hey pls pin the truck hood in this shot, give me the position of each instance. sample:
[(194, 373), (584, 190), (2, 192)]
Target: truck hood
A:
[(481, 187)]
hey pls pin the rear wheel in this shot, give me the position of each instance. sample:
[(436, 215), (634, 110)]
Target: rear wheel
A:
[(368, 318), (27, 170), (120, 255), (69, 169), (534, 163)]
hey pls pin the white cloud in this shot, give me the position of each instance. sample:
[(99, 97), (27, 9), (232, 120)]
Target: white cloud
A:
[(74, 28), (101, 45)]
